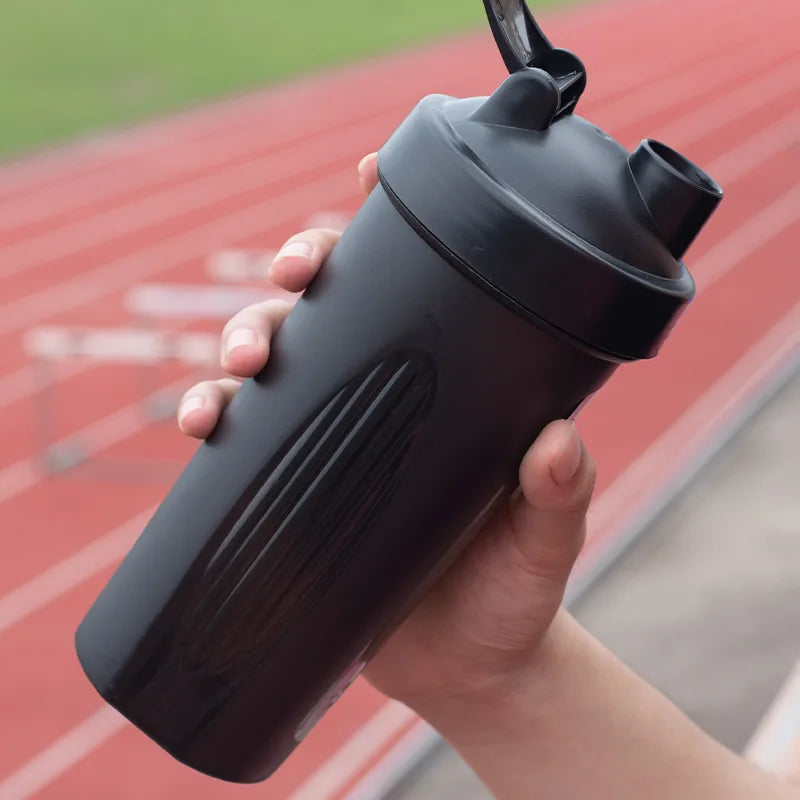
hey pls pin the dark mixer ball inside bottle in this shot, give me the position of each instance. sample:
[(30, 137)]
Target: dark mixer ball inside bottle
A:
[(528, 256)]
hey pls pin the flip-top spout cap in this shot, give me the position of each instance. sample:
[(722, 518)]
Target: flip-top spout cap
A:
[(522, 44)]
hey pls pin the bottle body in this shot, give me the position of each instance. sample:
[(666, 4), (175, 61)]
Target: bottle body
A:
[(390, 421)]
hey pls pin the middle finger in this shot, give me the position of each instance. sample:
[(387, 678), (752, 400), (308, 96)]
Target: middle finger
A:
[(246, 337)]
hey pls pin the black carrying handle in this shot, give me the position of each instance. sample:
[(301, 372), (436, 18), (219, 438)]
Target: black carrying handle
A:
[(523, 44)]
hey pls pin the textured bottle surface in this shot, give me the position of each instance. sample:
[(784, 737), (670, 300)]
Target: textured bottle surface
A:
[(305, 516), (396, 406)]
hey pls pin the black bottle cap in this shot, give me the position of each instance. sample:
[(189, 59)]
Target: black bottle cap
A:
[(544, 209)]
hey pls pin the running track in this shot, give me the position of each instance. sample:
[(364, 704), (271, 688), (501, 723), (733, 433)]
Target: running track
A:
[(80, 225)]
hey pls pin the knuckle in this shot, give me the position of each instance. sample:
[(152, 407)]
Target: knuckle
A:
[(303, 236), (228, 385), (330, 234), (321, 238), (274, 307), (577, 502), (589, 478), (258, 315), (204, 387), (234, 322), (575, 499), (265, 316)]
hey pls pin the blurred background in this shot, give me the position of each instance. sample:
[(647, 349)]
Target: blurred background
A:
[(154, 155)]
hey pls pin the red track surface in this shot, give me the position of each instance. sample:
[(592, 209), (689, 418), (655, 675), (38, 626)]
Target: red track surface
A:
[(80, 226)]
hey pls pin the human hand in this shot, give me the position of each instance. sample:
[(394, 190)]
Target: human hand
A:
[(480, 628)]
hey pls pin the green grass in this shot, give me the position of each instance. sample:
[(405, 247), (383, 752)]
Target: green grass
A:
[(69, 67)]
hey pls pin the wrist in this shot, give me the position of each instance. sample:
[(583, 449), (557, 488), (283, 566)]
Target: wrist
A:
[(574, 722), (507, 705)]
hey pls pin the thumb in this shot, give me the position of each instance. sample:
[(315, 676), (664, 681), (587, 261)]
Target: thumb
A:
[(493, 606), (368, 172), (548, 517)]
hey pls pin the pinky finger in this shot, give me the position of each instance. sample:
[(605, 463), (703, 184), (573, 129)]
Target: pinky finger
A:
[(201, 406)]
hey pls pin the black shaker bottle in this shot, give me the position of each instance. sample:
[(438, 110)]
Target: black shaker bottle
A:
[(511, 258)]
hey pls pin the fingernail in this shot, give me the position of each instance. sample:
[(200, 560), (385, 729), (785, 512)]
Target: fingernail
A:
[(190, 404), (565, 465), (295, 250), (241, 337), (363, 162)]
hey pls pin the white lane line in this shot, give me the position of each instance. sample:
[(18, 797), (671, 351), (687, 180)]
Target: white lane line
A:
[(741, 244), (24, 382), (684, 86), (169, 138), (18, 773), (65, 575), (224, 116), (177, 170), (186, 157), (390, 720), (355, 753), (25, 474), (18, 477), (95, 437), (717, 114), (611, 508), (117, 275), (734, 31), (775, 746), (720, 260), (62, 755), (633, 489), (729, 167), (192, 195), (768, 143), (264, 170), (393, 766), (86, 737), (347, 762)]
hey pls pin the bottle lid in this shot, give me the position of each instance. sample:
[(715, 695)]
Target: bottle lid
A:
[(544, 209)]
